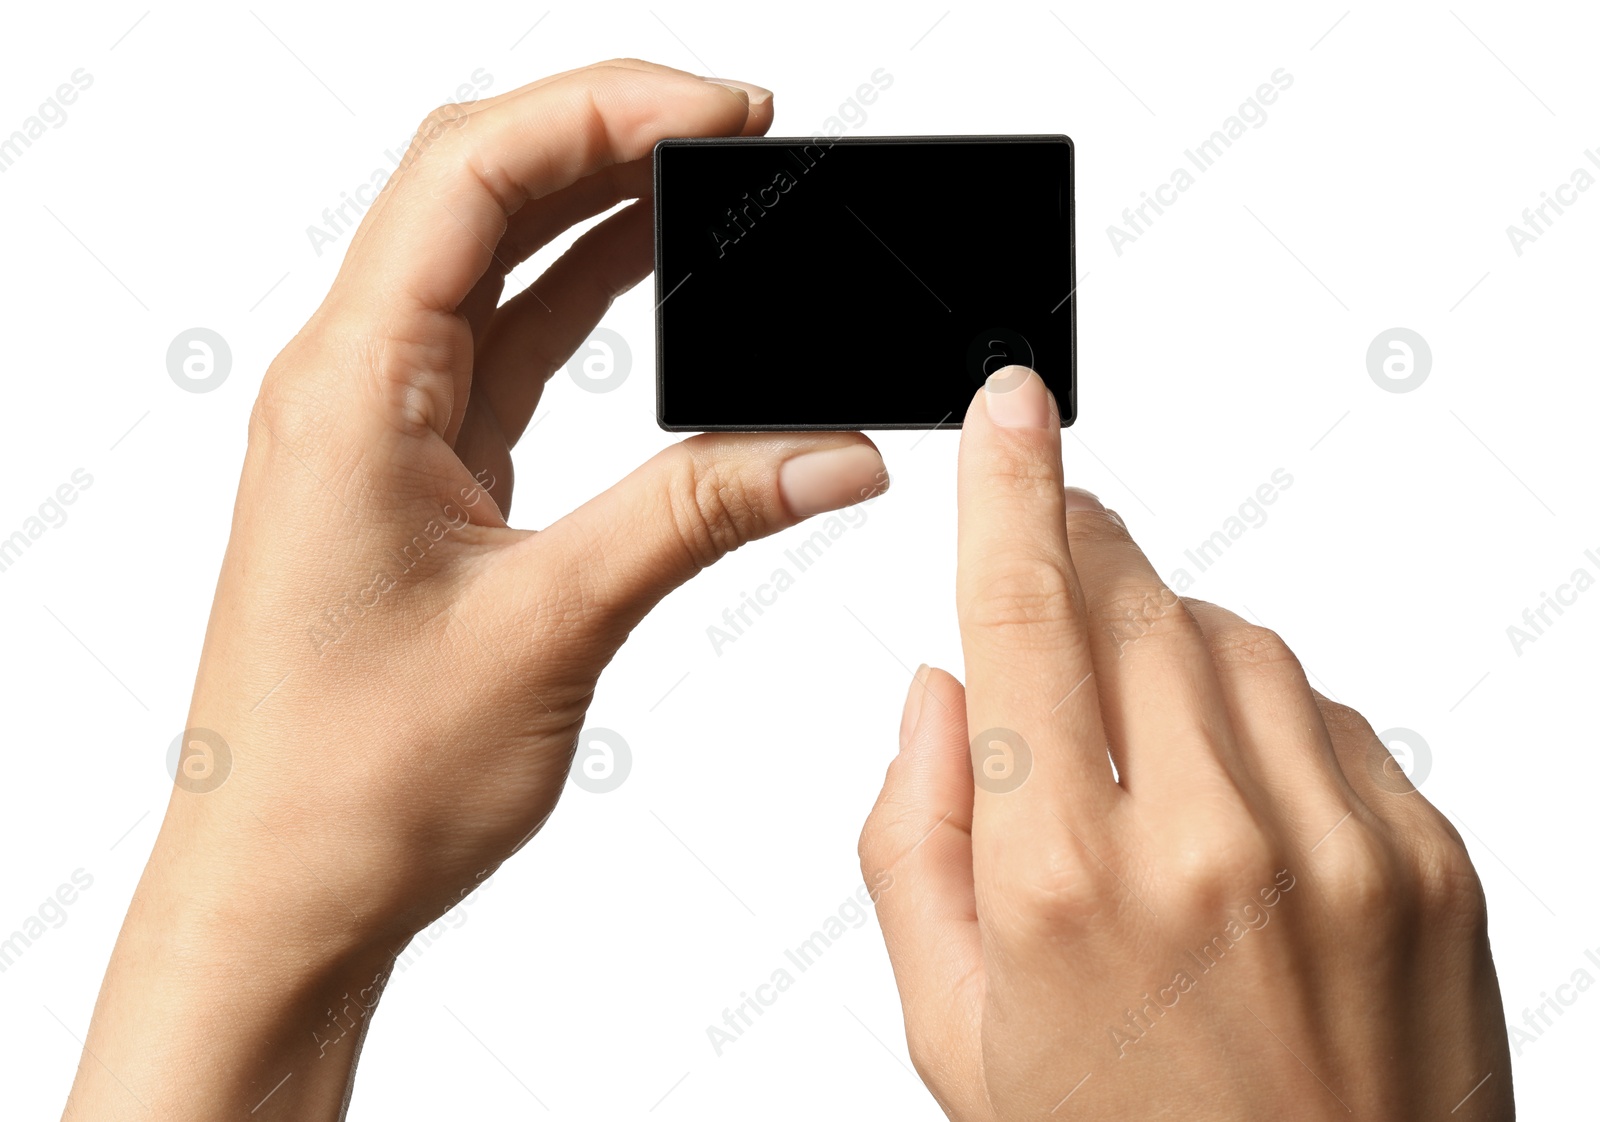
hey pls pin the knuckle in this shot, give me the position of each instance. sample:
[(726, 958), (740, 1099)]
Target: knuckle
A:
[(920, 1047), (897, 825), (711, 510), (440, 121), (1345, 723), (404, 382), (1097, 526), (1212, 869), (1027, 473), (1021, 595), (929, 1053), (1130, 614), (441, 137), (1054, 893), (1356, 874), (872, 848), (1250, 647), (274, 411), (1448, 887), (286, 411)]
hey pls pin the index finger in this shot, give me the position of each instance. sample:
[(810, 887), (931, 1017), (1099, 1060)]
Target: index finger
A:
[(468, 171), (1039, 749)]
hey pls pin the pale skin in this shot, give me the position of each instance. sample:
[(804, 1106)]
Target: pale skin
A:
[(1255, 916), (399, 729)]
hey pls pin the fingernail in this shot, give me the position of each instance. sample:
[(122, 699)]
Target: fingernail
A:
[(752, 93), (1016, 399), (814, 482), (913, 709), (1079, 499)]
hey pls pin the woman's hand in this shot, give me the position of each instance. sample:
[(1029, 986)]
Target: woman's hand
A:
[(393, 679), (1254, 916)]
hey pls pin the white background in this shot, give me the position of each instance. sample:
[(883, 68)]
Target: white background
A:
[(1228, 341)]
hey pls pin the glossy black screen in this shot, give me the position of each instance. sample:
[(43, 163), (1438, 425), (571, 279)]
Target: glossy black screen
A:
[(858, 283)]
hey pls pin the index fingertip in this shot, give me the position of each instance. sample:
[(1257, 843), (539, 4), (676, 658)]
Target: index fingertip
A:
[(752, 94)]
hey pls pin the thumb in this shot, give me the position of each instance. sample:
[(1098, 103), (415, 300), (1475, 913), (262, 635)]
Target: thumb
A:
[(692, 504), (916, 856)]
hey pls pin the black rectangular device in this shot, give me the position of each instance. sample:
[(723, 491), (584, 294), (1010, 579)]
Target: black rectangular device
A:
[(858, 283)]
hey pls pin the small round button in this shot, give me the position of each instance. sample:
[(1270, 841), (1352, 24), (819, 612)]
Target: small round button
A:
[(995, 349)]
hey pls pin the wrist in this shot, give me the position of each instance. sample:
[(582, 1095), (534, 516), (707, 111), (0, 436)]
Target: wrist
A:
[(214, 1004), (250, 863)]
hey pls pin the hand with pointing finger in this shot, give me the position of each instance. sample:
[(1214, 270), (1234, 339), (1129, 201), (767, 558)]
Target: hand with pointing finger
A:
[(1139, 868)]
